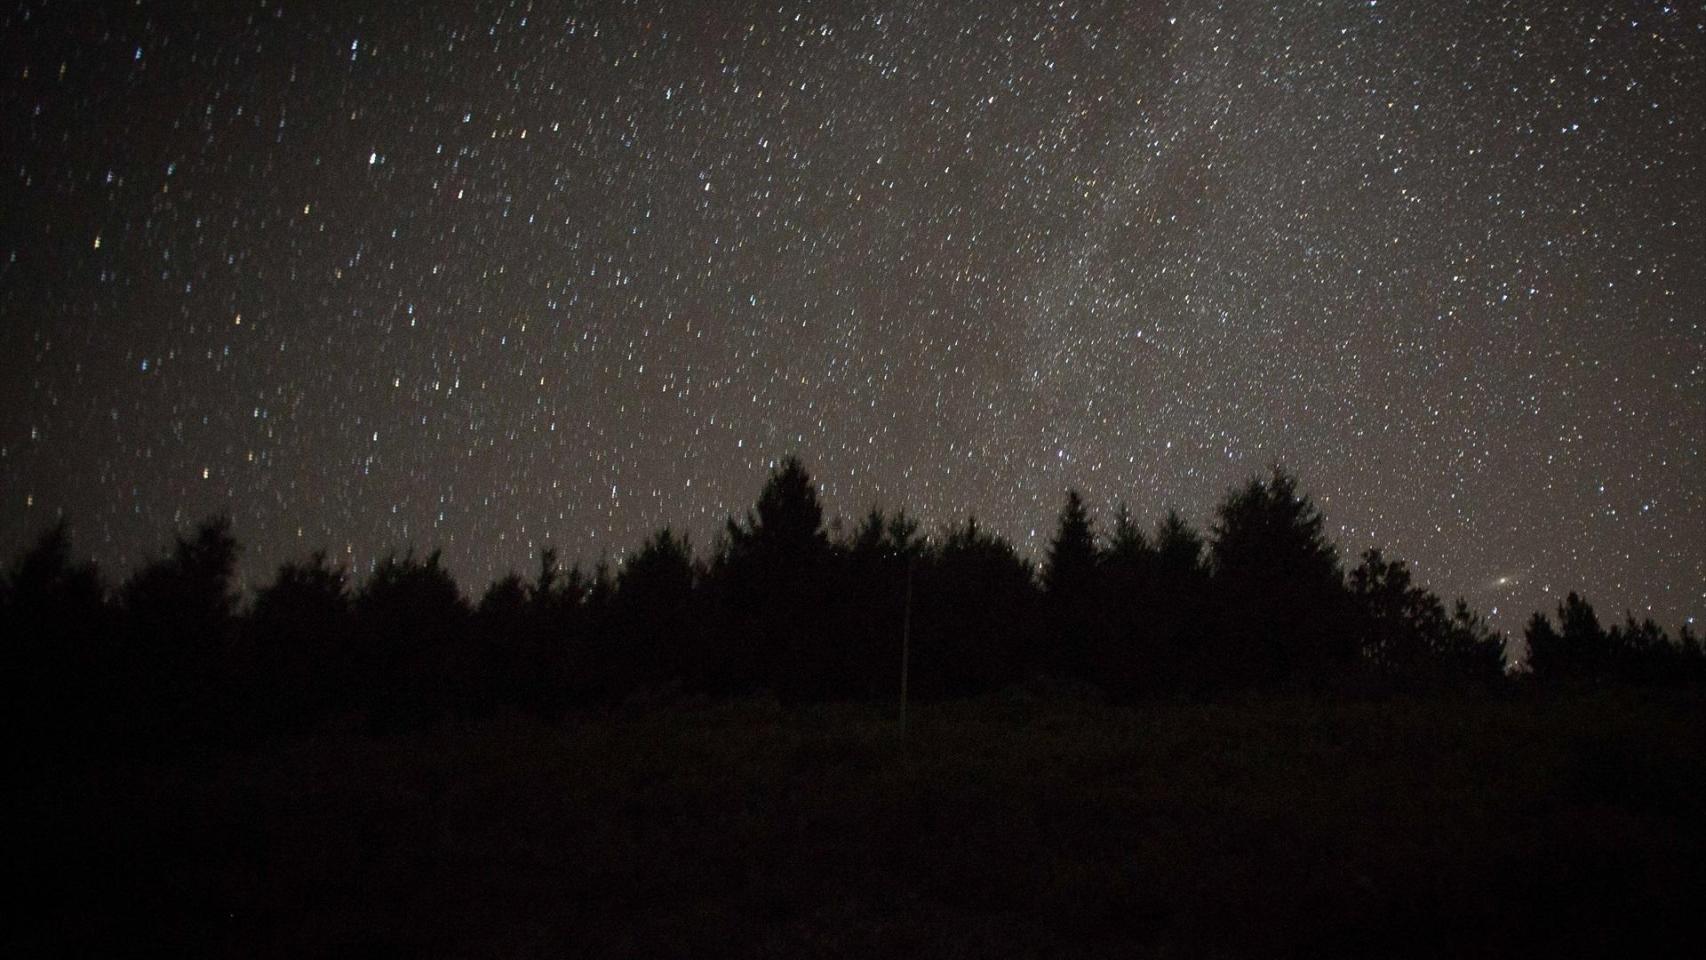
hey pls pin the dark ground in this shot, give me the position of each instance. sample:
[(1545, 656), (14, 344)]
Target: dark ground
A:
[(1010, 826)]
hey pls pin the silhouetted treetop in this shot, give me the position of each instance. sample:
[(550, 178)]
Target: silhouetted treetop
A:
[(778, 552), (1127, 543), (1072, 551), (45, 579), (661, 572), (545, 581), (869, 536), (1282, 610), (1579, 649), (309, 592), (187, 596), (1407, 633), (781, 608), (788, 517), (1178, 548), (982, 556), (506, 600), (1266, 529), (407, 599), (1575, 650), (881, 535)]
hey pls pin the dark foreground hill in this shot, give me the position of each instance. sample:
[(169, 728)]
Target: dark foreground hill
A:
[(1009, 826)]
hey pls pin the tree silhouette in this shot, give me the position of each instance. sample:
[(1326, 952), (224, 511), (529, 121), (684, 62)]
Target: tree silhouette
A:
[(1472, 651), (505, 599), (1148, 600), (49, 601), (1178, 548), (975, 600), (659, 636), (562, 624), (1072, 553), (502, 621), (1282, 594), (554, 595), (532, 637), (178, 611), (1267, 529), (1577, 650), (770, 583), (660, 575), (1399, 618), (44, 584), (411, 627), (863, 621), (1691, 657), (1635, 651), (307, 599), (778, 551), (1640, 652), (1407, 634), (187, 597), (299, 631), (1068, 578), (780, 607), (1120, 656), (868, 538), (1127, 544), (57, 671)]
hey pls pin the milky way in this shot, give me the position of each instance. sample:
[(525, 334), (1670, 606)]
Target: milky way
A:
[(486, 276)]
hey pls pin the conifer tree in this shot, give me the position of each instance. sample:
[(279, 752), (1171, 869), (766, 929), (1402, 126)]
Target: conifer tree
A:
[(1072, 552), (1284, 611)]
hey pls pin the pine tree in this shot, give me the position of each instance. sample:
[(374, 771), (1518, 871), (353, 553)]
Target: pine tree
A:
[(1285, 611), (1127, 544), (1579, 649), (771, 579), (56, 671), (300, 628), (187, 598), (1178, 548), (411, 627), (972, 626), (1072, 553)]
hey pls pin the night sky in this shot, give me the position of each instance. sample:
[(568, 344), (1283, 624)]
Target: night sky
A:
[(487, 276)]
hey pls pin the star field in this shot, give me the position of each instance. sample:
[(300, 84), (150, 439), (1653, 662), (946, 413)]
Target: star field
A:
[(487, 276)]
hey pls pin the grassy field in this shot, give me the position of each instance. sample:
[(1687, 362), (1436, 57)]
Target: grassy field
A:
[(1005, 827)]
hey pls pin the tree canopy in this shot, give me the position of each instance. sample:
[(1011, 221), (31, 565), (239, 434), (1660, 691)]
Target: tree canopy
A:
[(784, 603)]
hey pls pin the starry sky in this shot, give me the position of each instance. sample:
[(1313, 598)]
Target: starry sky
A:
[(490, 275)]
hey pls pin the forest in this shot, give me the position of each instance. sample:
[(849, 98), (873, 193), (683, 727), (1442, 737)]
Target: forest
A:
[(1157, 741), (1260, 601)]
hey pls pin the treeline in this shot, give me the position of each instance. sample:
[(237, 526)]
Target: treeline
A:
[(783, 604)]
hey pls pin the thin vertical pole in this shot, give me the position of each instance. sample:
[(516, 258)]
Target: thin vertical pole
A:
[(906, 644)]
